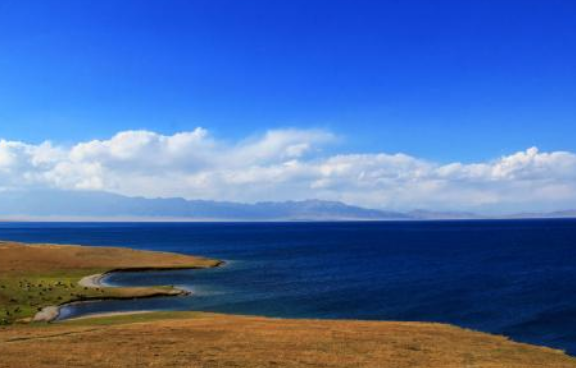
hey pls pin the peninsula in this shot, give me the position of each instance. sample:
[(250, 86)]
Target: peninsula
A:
[(37, 278)]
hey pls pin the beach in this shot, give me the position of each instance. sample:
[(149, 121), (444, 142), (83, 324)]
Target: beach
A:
[(92, 281)]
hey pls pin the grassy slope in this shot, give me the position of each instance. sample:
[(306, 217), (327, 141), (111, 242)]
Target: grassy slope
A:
[(188, 339), (182, 339), (35, 276)]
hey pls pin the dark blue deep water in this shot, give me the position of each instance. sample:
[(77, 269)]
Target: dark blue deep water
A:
[(516, 278)]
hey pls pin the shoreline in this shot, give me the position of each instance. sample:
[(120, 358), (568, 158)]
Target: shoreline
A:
[(92, 281), (51, 313)]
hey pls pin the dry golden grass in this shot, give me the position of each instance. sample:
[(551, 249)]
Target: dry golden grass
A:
[(26, 259), (208, 340)]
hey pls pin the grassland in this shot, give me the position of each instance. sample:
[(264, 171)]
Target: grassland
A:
[(193, 339), (207, 340), (36, 276)]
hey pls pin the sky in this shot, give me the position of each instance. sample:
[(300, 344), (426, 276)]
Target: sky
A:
[(459, 105)]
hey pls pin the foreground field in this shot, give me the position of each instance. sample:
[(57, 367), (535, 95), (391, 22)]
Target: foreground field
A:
[(206, 340), (35, 276)]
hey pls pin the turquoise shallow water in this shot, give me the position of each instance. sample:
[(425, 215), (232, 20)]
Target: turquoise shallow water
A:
[(516, 278)]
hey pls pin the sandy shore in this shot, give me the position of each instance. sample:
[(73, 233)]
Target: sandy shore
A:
[(51, 313), (92, 281), (47, 314)]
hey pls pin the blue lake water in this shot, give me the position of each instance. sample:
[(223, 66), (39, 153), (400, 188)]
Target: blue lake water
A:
[(516, 278)]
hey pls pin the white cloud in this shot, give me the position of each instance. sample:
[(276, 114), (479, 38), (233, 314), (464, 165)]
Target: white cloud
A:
[(288, 164)]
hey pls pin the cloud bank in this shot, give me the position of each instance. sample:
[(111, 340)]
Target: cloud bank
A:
[(288, 165)]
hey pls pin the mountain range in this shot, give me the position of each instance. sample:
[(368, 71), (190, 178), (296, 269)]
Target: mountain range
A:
[(90, 205)]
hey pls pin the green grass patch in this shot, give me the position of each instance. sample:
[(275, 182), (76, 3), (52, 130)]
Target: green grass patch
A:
[(132, 318), (22, 297)]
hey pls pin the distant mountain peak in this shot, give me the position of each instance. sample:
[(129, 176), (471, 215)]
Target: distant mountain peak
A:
[(101, 204)]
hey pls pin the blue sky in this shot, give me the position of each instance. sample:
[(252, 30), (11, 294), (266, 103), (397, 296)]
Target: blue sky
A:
[(404, 104), (445, 80)]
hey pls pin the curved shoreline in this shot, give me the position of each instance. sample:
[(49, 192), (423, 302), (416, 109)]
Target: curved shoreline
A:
[(52, 312), (92, 281)]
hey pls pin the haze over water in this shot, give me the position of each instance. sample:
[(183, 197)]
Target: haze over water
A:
[(516, 278)]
